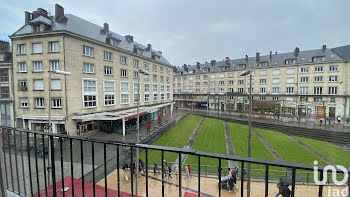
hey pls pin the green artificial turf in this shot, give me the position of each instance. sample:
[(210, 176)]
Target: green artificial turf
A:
[(211, 138), (175, 137), (328, 150), (239, 136)]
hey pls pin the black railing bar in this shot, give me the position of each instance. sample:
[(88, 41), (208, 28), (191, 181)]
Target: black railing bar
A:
[(82, 168), (163, 170), (105, 167), (10, 158), (62, 168), (16, 161), (93, 168), (36, 164), (71, 164), (180, 174), (53, 165), (2, 189), (131, 171), (219, 169), (44, 163), (23, 172), (146, 156), (29, 165), (118, 175)]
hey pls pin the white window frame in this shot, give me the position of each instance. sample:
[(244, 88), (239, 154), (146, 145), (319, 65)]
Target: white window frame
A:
[(88, 93), (123, 73), (168, 89), (135, 92), (275, 90), (333, 90), (54, 47), (147, 92), (39, 88), (318, 90), (155, 91), (124, 92), (37, 66), (318, 69), (88, 51), (22, 102), (109, 93), (21, 49), (276, 81), (56, 103), (37, 48), (276, 72), (263, 73), (107, 56), (135, 63), (55, 82), (304, 70), (22, 67), (290, 71), (333, 68), (88, 68), (289, 90), (333, 78), (39, 100), (108, 70), (262, 90), (290, 80), (54, 65), (304, 90)]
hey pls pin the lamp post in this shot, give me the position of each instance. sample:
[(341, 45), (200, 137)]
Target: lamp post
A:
[(49, 127), (141, 71), (245, 73)]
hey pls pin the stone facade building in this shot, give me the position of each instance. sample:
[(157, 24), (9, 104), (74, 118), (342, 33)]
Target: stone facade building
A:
[(314, 84), (104, 71)]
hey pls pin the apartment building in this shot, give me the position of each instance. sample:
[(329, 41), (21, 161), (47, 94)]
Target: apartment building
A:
[(312, 83), (103, 69), (6, 93)]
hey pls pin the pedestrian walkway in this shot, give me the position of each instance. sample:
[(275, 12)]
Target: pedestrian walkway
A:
[(229, 146)]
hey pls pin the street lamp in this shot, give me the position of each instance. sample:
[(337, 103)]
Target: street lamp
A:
[(140, 71), (49, 127), (245, 73)]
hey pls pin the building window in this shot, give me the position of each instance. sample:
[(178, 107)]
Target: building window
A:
[(318, 68), (21, 49), (122, 59), (263, 73), (276, 72), (275, 81), (38, 66), (319, 79), (56, 103), (197, 91), (1, 57), (88, 68), (190, 84), (135, 63), (5, 92), (290, 80), (205, 83), (304, 69), (304, 98), (240, 90), (54, 47), (88, 51), (155, 78), (221, 90), (240, 82), (161, 78), (38, 84), (231, 90), (318, 59), (262, 90), (221, 82), (333, 78), (24, 102), (22, 67), (37, 48), (304, 90), (332, 90), (108, 70), (155, 92), (275, 98), (230, 75), (333, 100), (55, 84), (162, 96), (304, 79), (89, 93), (212, 76), (22, 85), (167, 79), (124, 92), (262, 81), (123, 73), (107, 56), (36, 28), (39, 102), (146, 65), (290, 90), (212, 83), (146, 77), (230, 82), (205, 77), (190, 78), (147, 92), (198, 84), (263, 98), (317, 90), (290, 61), (154, 68), (109, 92), (275, 90), (290, 71), (54, 65), (221, 75), (263, 64), (318, 99), (248, 90), (198, 77), (161, 69), (212, 90), (136, 93), (136, 74), (333, 68)]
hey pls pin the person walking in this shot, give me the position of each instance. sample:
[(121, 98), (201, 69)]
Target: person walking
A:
[(188, 171)]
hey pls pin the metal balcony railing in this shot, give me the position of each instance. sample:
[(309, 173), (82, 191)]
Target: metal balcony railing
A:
[(25, 162)]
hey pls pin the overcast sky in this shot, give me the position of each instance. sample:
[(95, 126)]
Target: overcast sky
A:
[(187, 31)]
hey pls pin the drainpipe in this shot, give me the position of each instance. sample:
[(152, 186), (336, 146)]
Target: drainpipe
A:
[(65, 86)]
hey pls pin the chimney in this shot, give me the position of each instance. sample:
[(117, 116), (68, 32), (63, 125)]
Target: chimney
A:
[(276, 53), (26, 17), (198, 65), (185, 67), (149, 47), (160, 52), (59, 12), (129, 38), (227, 61), (258, 57), (213, 62), (270, 55), (106, 28), (246, 58), (175, 69), (324, 47), (296, 51)]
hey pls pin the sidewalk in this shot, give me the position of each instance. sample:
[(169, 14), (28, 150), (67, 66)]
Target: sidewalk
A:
[(283, 120)]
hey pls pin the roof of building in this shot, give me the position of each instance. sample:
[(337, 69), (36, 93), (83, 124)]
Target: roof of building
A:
[(303, 57), (85, 28)]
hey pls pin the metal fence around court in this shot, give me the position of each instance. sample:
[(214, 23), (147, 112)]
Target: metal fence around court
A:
[(25, 164)]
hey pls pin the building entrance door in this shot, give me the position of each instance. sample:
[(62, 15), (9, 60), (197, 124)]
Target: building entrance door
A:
[(331, 112)]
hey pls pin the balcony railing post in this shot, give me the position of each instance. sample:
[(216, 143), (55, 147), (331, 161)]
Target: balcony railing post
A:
[(132, 171), (146, 155), (180, 173), (62, 168), (29, 165), (219, 169), (320, 187), (16, 161), (118, 176), (82, 168), (267, 180), (44, 162), (199, 175), (93, 168), (242, 179), (105, 167), (36, 164), (71, 164), (22, 158), (163, 173), (2, 188), (53, 169), (10, 158), (293, 181)]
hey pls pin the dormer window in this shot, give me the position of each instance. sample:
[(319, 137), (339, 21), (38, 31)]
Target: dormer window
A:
[(290, 61), (318, 59), (36, 28), (222, 68), (263, 64), (115, 42), (206, 70), (191, 71), (241, 66)]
